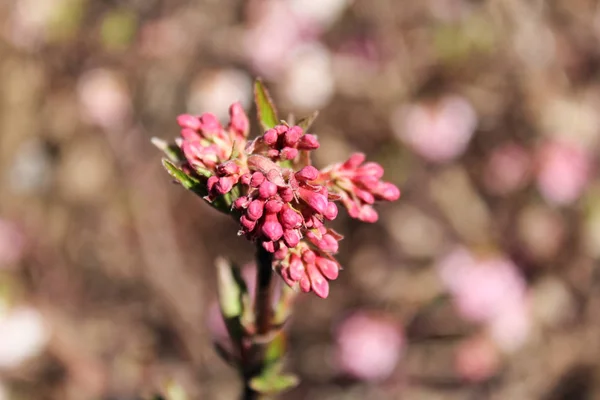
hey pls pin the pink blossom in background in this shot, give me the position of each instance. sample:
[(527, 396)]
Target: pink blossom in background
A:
[(268, 46), (23, 335), (488, 290), (12, 243), (477, 359), (438, 131), (104, 98), (368, 346), (272, 50), (563, 171), (508, 169)]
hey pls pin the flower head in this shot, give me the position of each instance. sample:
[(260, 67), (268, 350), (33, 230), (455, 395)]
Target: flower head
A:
[(268, 184)]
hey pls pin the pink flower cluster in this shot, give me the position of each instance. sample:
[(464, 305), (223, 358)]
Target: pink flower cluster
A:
[(358, 184), (279, 198)]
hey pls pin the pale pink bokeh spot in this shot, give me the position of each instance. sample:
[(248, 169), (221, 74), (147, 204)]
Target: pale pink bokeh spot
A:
[(12, 243), (268, 46), (491, 291), (438, 131), (477, 359), (368, 346), (508, 169), (563, 171), (23, 335), (104, 98)]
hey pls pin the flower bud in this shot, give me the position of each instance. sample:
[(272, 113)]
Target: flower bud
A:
[(318, 283), (305, 284), (371, 169), (308, 142), (228, 168), (247, 223), (367, 213), (190, 135), (238, 120), (189, 122), (289, 153), (257, 179), (255, 209), (308, 256), (315, 200), (267, 189), (354, 161), (210, 123), (286, 194), (296, 268), (331, 212), (241, 202), (211, 182), (270, 137), (365, 196), (269, 246), (292, 136), (291, 237), (330, 269), (245, 179), (273, 206), (272, 153), (289, 218), (281, 253), (224, 184), (271, 228), (308, 173), (388, 191)]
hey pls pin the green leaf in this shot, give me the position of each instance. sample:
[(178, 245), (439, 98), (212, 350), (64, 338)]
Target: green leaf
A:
[(276, 348), (267, 114), (274, 384), (306, 122), (172, 151), (232, 291), (184, 179)]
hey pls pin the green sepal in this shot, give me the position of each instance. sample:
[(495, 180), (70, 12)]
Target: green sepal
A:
[(267, 114)]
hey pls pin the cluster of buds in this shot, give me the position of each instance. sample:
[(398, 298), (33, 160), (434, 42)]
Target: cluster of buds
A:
[(359, 185), (281, 201)]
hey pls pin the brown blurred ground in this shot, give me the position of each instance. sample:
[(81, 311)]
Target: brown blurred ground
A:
[(120, 261)]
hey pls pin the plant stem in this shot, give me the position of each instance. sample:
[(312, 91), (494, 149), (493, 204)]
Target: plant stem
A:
[(264, 275), (263, 312)]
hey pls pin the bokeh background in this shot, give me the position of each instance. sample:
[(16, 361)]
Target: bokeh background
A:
[(481, 282)]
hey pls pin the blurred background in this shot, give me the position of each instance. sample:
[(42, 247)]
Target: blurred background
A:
[(481, 282)]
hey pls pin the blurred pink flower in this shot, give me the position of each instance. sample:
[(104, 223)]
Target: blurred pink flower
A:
[(104, 98), (508, 169), (23, 335), (563, 171), (491, 291), (12, 243), (477, 359), (268, 46), (438, 131), (368, 346)]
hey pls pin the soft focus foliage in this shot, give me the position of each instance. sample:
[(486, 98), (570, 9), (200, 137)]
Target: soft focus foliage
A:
[(481, 280)]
